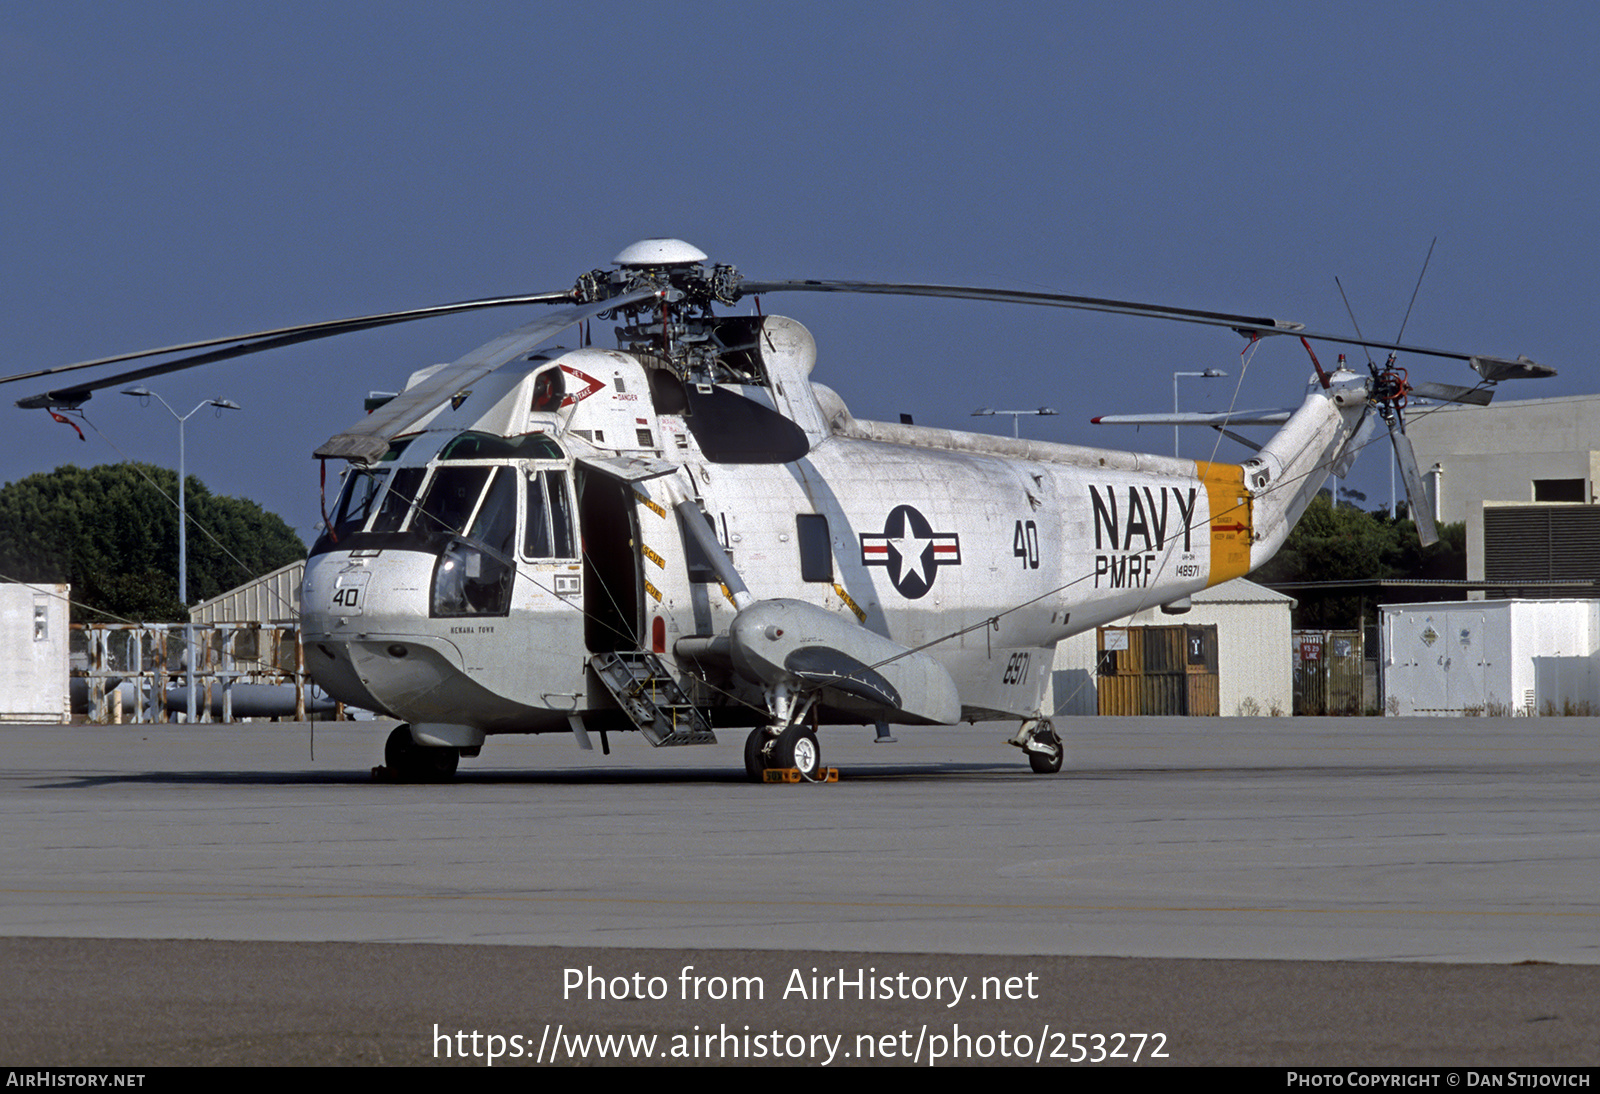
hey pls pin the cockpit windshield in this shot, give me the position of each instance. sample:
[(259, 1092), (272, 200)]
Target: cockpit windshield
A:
[(451, 498), (361, 486), (488, 446)]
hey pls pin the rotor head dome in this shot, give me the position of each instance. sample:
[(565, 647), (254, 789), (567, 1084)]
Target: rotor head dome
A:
[(659, 252)]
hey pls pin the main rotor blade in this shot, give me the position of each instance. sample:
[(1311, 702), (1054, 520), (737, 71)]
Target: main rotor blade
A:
[(73, 396), (1245, 324), (369, 438), (1451, 393), (1202, 417), (304, 332), (1416, 492), (1008, 296)]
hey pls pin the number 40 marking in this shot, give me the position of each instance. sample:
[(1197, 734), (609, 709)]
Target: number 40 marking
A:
[(1025, 544)]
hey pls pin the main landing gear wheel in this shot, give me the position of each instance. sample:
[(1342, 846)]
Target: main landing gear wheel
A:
[(410, 762), (755, 753), (797, 747), (1047, 762)]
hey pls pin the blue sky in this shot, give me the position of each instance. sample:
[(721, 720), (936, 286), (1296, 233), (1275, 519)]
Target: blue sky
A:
[(179, 170)]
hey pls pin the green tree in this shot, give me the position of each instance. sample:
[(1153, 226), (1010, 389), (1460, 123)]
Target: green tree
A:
[(109, 531), (1344, 544)]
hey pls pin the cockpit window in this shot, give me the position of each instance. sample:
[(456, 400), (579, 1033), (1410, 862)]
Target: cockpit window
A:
[(395, 448), (397, 503), (487, 446), (474, 573), (452, 496), (361, 486), (497, 519)]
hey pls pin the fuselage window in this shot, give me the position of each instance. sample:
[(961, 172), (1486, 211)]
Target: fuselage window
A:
[(816, 555)]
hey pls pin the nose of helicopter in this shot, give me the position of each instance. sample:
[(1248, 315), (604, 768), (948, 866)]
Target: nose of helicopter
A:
[(372, 641)]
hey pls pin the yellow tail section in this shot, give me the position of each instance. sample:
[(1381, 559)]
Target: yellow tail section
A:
[(1231, 526)]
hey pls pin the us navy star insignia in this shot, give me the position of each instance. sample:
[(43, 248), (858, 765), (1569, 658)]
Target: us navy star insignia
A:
[(911, 551)]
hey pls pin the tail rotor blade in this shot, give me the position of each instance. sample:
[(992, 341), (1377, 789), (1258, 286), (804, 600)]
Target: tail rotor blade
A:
[(1416, 491)]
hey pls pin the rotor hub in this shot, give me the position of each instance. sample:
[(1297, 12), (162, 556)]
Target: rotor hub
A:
[(677, 325)]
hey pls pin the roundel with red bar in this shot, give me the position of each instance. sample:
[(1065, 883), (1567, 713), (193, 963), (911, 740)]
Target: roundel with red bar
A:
[(911, 551)]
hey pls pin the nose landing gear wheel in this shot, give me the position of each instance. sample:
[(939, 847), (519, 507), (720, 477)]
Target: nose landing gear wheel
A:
[(410, 762)]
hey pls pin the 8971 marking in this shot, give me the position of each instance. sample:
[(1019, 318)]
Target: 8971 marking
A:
[(1016, 669)]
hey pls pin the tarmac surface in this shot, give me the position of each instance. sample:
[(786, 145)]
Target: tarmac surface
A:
[(1286, 891)]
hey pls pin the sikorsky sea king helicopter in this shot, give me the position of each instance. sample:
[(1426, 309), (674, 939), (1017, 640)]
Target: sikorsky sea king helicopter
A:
[(687, 533)]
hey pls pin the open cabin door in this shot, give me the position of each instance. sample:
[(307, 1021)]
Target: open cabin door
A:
[(611, 562)]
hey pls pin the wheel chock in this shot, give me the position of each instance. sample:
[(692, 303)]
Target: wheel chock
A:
[(792, 775)]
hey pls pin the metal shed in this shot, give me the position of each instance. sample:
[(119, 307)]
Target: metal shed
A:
[(1254, 670), (270, 598)]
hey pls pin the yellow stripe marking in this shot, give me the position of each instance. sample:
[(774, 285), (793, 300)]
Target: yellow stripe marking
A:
[(652, 506), (861, 616)]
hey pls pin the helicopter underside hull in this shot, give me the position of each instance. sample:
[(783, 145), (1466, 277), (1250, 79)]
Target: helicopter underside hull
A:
[(424, 685)]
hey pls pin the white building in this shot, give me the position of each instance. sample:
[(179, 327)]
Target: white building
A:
[(1523, 476), (1254, 666), (33, 667)]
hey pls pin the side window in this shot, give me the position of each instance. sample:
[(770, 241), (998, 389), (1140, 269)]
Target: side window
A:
[(816, 554), (547, 532), (536, 533), (560, 514)]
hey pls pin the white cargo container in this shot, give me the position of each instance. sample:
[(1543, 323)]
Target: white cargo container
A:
[(1490, 657), (35, 641)]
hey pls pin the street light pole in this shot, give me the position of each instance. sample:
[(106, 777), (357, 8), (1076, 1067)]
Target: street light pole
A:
[(1209, 374), (145, 394)]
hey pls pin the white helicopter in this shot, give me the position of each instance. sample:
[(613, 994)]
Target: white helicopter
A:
[(687, 532)]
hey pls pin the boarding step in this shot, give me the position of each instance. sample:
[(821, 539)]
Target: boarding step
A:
[(651, 698)]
